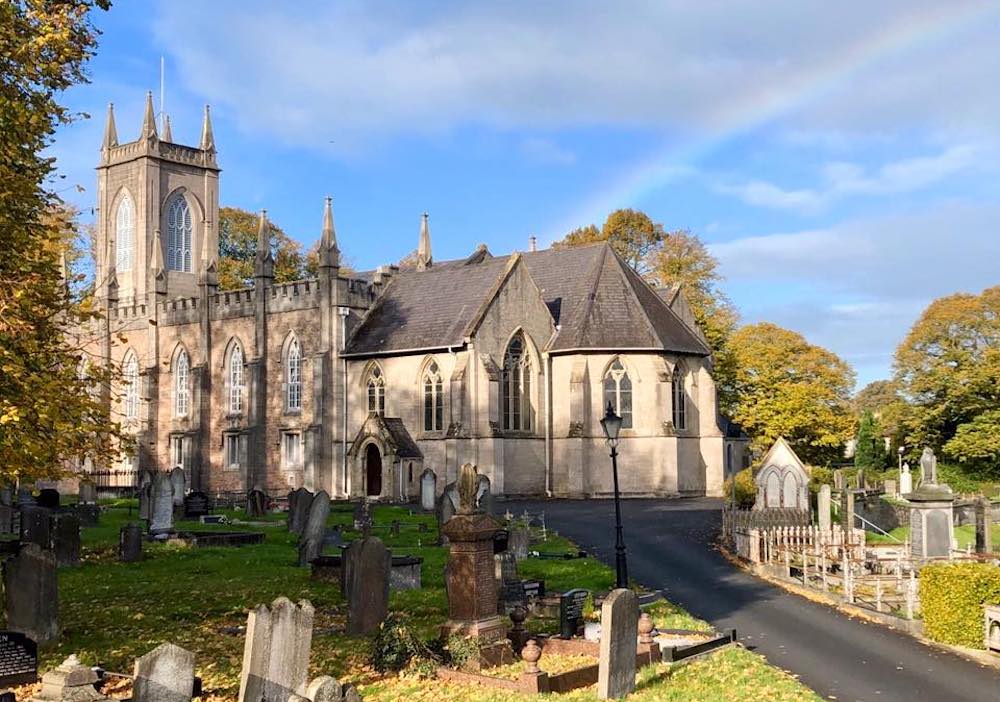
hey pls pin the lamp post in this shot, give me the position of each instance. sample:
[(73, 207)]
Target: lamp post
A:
[(612, 424), (900, 452)]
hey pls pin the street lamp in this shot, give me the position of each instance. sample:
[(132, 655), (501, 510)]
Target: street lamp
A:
[(612, 424), (900, 451)]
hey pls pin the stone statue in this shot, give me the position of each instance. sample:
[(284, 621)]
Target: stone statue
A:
[(468, 488), (928, 467)]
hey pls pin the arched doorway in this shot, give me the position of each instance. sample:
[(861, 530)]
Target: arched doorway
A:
[(373, 471)]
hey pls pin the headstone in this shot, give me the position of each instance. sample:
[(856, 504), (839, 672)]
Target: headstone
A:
[(256, 504), (32, 593), (363, 517), (298, 514), (838, 479), (146, 501), (18, 659), (24, 496), (35, 526), (861, 485), (130, 543), (276, 652), (447, 507), (905, 480), (571, 612), (66, 539), (519, 539), (513, 595), (6, 496), (616, 663), (484, 495), (932, 509), (70, 682), (984, 519), (846, 510), (87, 492), (88, 514), (889, 487), (534, 589), (394, 527), (161, 522), (165, 674), (48, 498), (324, 689), (366, 582), (196, 505), (823, 507), (428, 489), (311, 539), (177, 481), (6, 519)]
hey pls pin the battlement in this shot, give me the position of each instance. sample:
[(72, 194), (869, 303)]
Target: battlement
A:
[(128, 311), (176, 153)]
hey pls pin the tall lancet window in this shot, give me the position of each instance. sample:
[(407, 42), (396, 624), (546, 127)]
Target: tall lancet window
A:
[(130, 384), (679, 395), (376, 392), (179, 228), (433, 398), (515, 382), (618, 392), (125, 234), (293, 376), (182, 386), (237, 386)]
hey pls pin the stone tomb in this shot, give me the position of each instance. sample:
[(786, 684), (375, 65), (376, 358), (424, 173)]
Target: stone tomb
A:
[(276, 652), (428, 490), (619, 625), (165, 674), (314, 532), (32, 593), (18, 659), (367, 564), (783, 481)]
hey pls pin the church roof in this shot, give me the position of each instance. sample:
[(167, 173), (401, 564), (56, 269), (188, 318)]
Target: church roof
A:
[(596, 300)]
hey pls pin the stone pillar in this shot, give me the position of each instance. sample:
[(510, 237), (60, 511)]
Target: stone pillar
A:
[(984, 518), (905, 480), (823, 507), (847, 510)]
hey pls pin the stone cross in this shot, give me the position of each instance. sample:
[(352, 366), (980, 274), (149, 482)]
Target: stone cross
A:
[(161, 520), (32, 590), (619, 625), (823, 505), (276, 652), (165, 674), (928, 467), (314, 532), (367, 563)]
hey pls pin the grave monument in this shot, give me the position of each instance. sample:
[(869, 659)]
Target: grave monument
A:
[(932, 507)]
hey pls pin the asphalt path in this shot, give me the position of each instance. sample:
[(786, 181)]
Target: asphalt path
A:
[(671, 547)]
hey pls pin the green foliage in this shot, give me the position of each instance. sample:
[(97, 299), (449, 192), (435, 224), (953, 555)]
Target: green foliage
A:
[(395, 646), (462, 649), (746, 489), (959, 479), (238, 249), (869, 450), (820, 476), (976, 444), (952, 596), (631, 233)]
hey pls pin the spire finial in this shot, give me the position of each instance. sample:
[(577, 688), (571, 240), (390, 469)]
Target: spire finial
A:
[(110, 131), (532, 243), (424, 258), (263, 269), (207, 137), (168, 135), (329, 254), (148, 119)]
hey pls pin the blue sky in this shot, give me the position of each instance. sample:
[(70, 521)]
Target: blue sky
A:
[(840, 159)]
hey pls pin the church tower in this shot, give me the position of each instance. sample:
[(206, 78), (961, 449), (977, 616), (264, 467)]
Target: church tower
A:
[(158, 209)]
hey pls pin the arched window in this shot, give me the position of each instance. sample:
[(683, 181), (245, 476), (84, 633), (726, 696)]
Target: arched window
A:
[(182, 388), (236, 382), (376, 391), (515, 382), (293, 376), (433, 399), (179, 230), (679, 396), (125, 234), (618, 392), (130, 383)]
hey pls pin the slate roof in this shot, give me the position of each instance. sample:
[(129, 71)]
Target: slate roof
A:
[(594, 297), (406, 447)]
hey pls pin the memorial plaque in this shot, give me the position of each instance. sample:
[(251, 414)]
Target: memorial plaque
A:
[(571, 612), (195, 504), (18, 659)]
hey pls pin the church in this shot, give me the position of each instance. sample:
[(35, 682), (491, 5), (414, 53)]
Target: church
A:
[(358, 383)]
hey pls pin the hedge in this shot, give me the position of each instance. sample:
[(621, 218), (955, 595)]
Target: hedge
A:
[(952, 596)]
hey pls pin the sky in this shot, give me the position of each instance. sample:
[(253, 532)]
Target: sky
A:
[(839, 159)]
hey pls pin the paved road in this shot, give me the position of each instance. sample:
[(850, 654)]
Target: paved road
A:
[(670, 547)]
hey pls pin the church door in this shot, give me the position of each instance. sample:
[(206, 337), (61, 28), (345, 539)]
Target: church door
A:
[(373, 471)]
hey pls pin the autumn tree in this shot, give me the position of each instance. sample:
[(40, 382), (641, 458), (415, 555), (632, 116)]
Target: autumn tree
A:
[(630, 232), (785, 386), (238, 248), (49, 409)]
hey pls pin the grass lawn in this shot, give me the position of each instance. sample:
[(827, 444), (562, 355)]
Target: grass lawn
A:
[(965, 535), (113, 612)]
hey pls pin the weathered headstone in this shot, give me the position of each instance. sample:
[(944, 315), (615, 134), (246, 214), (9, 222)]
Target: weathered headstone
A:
[(428, 490), (48, 498), (70, 682), (366, 582), (519, 539), (6, 496), (889, 487), (146, 501), (196, 505), (616, 664), (276, 652), (161, 521), (256, 506), (905, 480), (18, 659), (32, 593), (823, 507), (571, 611), (324, 689), (35, 526), (984, 519), (165, 674), (838, 479), (6, 519), (25, 497), (66, 539), (299, 508), (846, 510), (447, 507), (484, 495), (179, 484), (130, 543), (861, 484), (932, 507), (311, 539), (89, 514), (87, 492)]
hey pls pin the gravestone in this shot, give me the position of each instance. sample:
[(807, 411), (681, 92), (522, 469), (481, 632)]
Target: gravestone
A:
[(298, 514), (256, 506), (66, 539), (165, 674), (6, 496), (889, 487), (18, 659), (48, 498), (311, 539), (447, 507), (196, 505), (571, 612), (932, 507), (366, 583), (146, 501), (87, 492), (616, 663), (823, 507), (71, 681), (484, 495), (905, 480), (177, 481), (428, 489), (130, 543), (32, 593), (838, 479), (533, 589), (512, 595), (161, 521), (519, 539), (846, 510), (6, 519), (984, 519), (24, 496), (860, 478), (88, 514), (36, 526), (363, 517), (276, 652)]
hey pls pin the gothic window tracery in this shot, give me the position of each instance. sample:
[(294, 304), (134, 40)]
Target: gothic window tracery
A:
[(293, 376), (130, 383), (618, 392), (182, 388), (125, 234), (237, 386), (679, 395), (179, 229), (376, 391), (515, 382), (433, 398)]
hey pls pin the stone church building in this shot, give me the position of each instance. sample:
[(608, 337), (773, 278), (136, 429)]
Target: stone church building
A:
[(358, 383)]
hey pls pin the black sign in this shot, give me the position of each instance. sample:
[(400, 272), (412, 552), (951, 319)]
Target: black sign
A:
[(571, 612), (195, 504), (18, 659), (533, 589)]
